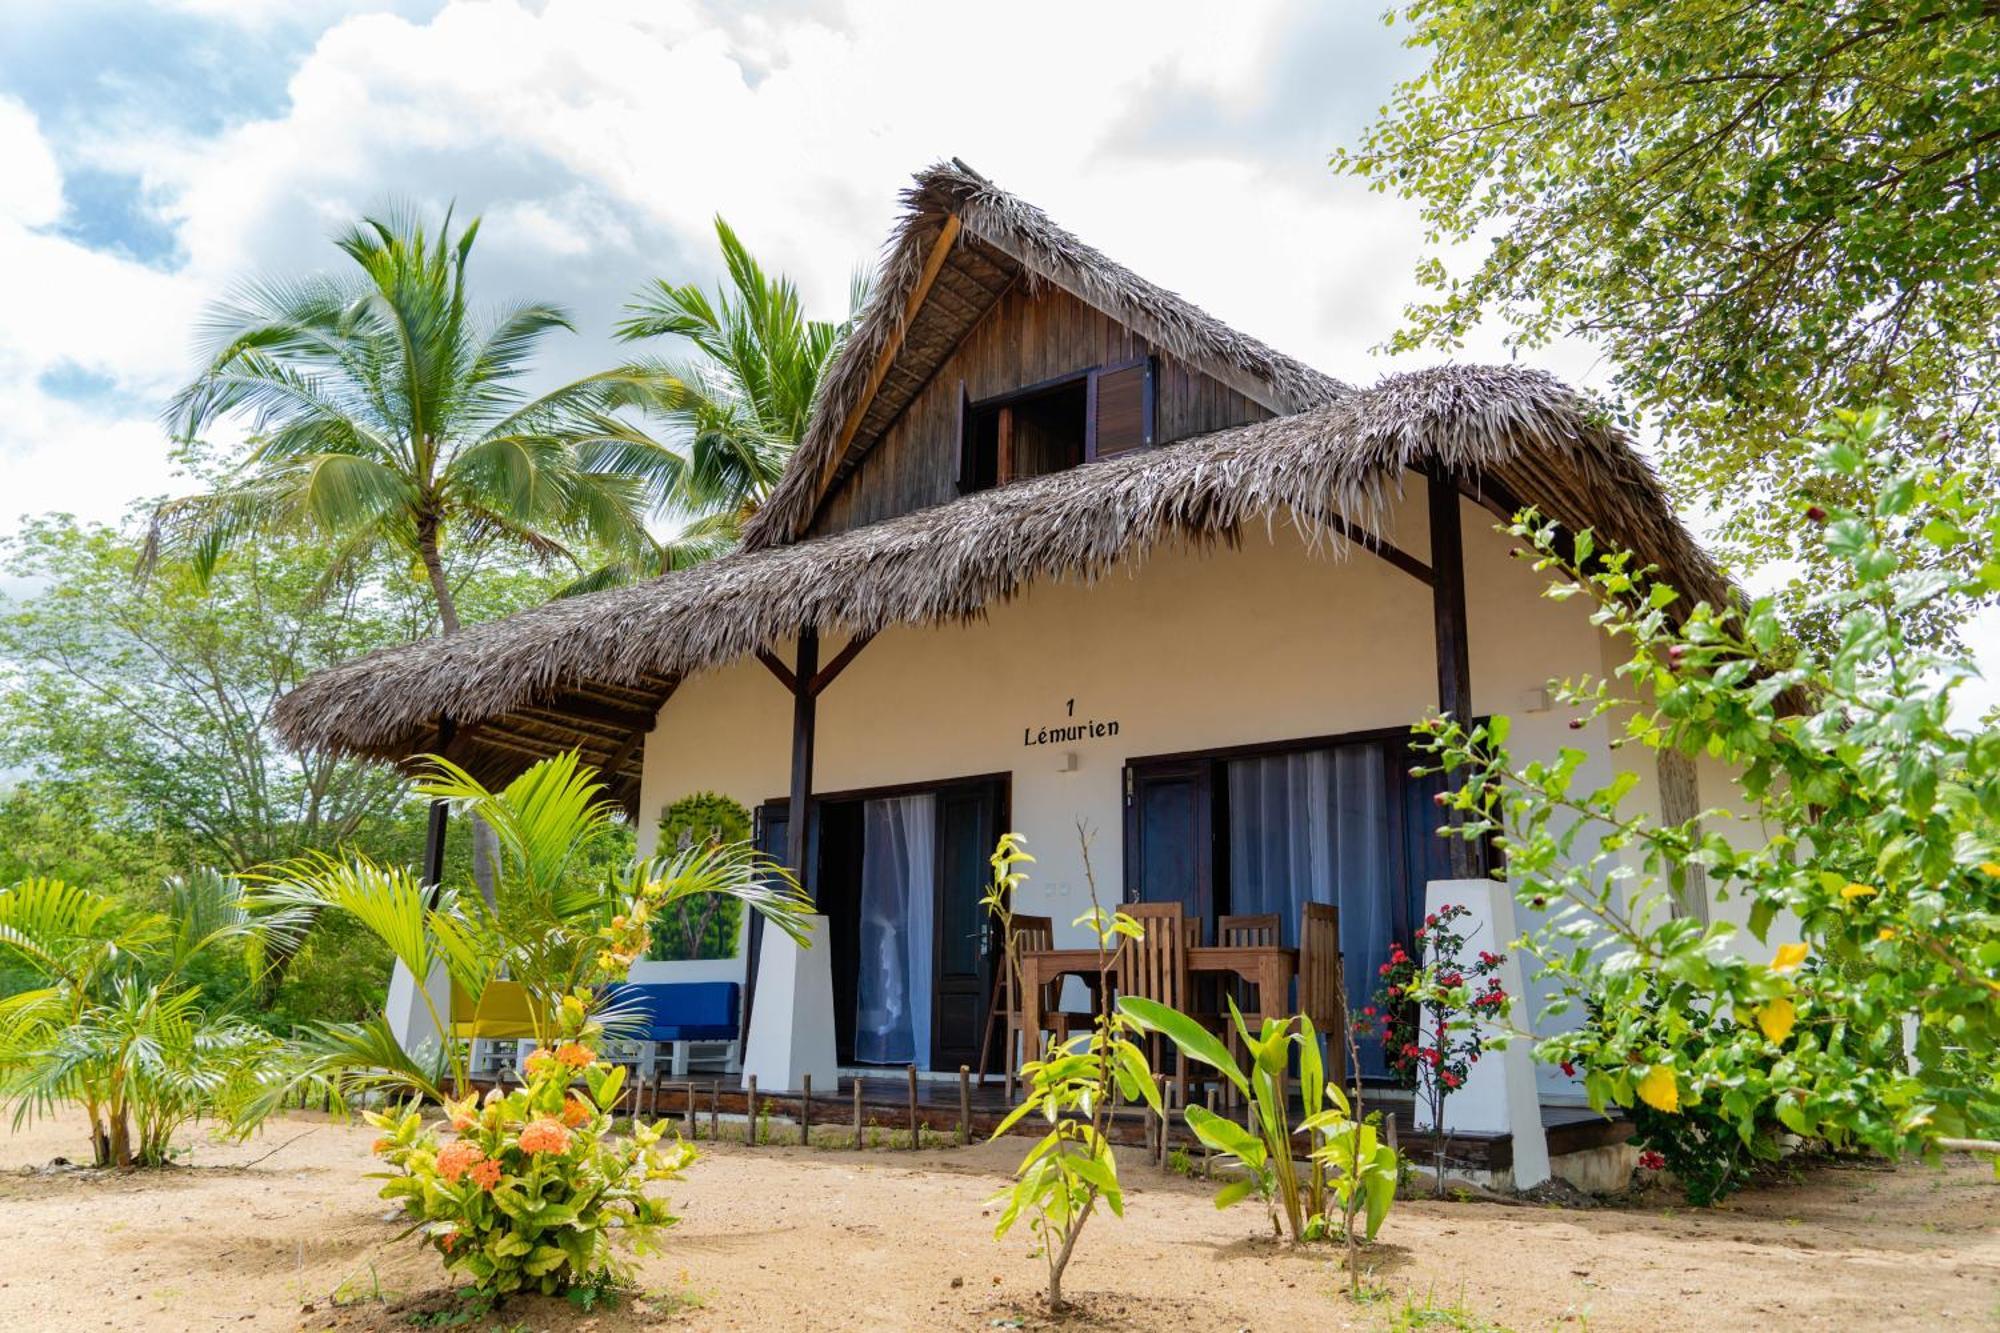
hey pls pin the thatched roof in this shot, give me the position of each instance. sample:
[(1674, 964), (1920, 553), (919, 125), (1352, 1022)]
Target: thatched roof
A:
[(579, 670), (996, 241)]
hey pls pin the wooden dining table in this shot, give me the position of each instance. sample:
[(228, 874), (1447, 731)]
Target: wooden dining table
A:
[(1269, 968)]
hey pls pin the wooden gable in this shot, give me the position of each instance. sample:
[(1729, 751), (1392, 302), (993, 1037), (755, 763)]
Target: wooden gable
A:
[(1025, 338)]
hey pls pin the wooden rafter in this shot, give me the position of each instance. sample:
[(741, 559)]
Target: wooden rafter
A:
[(848, 653), (778, 669), (933, 264)]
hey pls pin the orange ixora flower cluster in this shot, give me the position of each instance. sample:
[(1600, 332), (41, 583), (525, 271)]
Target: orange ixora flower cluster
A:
[(481, 1182), (458, 1158), (545, 1134)]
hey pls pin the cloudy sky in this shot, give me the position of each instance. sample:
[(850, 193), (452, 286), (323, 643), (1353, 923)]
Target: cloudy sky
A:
[(153, 154)]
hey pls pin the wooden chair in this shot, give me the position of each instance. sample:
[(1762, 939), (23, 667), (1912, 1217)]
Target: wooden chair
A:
[(1322, 984), (1030, 933), (1258, 930), (1154, 967)]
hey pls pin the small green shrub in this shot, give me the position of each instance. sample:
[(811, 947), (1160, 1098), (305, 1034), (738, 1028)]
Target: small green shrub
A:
[(706, 928), (531, 1192)]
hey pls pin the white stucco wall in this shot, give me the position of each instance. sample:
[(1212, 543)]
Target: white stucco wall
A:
[(1192, 649)]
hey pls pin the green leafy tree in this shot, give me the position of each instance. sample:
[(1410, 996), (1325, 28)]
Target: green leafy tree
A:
[(1759, 210), (386, 415), (154, 699), (1882, 847), (137, 715)]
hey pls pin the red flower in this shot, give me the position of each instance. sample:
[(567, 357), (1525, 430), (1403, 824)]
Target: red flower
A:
[(1431, 920), (1449, 1079), (1383, 970), (1569, 1069), (1652, 1161), (1369, 1010)]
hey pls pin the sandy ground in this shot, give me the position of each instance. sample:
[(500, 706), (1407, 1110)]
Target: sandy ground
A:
[(285, 1232)]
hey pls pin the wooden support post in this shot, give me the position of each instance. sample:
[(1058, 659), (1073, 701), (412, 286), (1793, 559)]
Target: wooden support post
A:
[(1454, 656), (750, 1129), (857, 1115), (687, 1109), (714, 1110), (805, 718), (806, 1111), (964, 1105), (1161, 1160), (916, 1135)]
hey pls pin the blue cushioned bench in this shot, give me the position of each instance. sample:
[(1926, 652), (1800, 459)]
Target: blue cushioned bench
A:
[(673, 1014)]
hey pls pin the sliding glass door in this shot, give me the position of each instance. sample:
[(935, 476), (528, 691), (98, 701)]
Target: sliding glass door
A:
[(900, 873), (1269, 829)]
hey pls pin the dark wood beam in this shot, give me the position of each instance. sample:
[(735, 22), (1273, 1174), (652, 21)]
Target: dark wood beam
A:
[(805, 718), (435, 820), (798, 809), (1454, 655), (778, 669), (1379, 546), (576, 706), (851, 650)]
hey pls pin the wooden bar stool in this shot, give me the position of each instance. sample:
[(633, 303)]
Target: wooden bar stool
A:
[(1031, 933)]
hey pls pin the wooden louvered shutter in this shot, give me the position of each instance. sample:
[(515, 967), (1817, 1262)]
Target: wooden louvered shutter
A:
[(968, 448), (1121, 408)]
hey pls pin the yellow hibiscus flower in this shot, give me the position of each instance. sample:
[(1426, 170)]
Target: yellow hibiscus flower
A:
[(1778, 1018), (1789, 957), (1659, 1091), (1853, 891)]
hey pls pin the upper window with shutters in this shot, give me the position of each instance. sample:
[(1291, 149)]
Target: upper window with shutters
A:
[(1056, 424)]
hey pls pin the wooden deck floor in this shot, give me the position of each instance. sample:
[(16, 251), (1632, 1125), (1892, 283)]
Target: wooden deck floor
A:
[(885, 1106)]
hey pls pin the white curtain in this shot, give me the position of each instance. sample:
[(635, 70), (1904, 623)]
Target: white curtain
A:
[(1313, 826), (892, 1022)]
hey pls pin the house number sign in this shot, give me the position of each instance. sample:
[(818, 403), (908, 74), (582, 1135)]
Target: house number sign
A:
[(1068, 729)]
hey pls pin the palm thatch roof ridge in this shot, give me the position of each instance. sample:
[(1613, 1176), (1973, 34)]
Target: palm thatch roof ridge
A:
[(1014, 236), (1510, 435)]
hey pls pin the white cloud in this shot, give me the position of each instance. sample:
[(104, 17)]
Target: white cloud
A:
[(33, 196), (88, 344)]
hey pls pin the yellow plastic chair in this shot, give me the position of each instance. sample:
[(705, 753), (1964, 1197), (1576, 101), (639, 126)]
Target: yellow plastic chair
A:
[(503, 1013)]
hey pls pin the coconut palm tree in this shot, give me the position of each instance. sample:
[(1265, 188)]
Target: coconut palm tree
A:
[(384, 412), (738, 409)]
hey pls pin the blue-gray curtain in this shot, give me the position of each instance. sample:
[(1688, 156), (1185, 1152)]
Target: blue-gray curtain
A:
[(892, 1020), (1314, 826)]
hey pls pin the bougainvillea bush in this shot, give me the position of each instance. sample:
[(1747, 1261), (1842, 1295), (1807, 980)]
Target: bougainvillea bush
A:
[(527, 1190), (1873, 832), (1429, 1014)]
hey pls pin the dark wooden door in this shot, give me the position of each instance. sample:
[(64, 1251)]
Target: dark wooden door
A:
[(968, 824), (1169, 835)]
